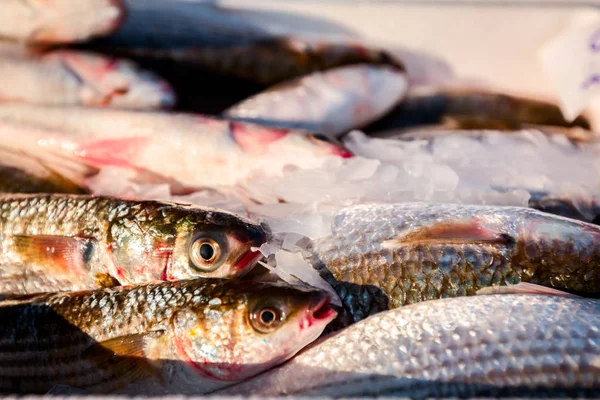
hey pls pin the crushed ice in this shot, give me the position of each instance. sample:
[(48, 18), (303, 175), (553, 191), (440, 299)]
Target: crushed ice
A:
[(491, 168)]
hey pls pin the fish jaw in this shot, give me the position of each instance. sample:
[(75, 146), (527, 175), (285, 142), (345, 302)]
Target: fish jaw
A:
[(230, 362)]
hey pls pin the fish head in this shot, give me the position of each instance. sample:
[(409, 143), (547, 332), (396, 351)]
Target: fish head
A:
[(215, 244), (248, 328), (257, 140), (177, 241)]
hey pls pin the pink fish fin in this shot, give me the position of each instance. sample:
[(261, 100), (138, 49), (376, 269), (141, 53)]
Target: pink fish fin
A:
[(124, 356), (459, 232), (112, 152), (106, 280), (65, 255), (524, 288)]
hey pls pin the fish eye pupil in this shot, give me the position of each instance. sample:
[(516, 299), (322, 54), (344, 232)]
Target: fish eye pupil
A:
[(207, 252), (267, 317)]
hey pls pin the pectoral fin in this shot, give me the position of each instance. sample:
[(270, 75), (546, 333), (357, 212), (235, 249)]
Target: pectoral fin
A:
[(455, 232), (124, 356), (57, 254)]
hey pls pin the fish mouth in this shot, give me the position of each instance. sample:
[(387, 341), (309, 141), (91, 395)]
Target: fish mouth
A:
[(248, 259), (320, 310)]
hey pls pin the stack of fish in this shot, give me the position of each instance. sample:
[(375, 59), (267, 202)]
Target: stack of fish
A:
[(148, 247)]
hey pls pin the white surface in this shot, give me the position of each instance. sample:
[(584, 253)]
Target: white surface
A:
[(496, 42)]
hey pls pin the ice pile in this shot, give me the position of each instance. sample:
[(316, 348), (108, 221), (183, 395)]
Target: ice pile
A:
[(487, 168)]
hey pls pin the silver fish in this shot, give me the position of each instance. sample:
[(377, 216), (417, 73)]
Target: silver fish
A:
[(487, 345)]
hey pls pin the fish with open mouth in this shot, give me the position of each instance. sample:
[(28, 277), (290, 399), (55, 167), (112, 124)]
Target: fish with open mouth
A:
[(489, 346), (54, 242), (382, 256), (182, 337)]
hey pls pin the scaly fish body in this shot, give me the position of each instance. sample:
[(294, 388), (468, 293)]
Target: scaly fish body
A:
[(266, 61), (198, 151), (189, 336), (505, 345), (70, 242), (387, 256), (330, 102), (465, 109)]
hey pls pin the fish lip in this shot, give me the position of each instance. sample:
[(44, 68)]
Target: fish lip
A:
[(246, 261), (320, 310)]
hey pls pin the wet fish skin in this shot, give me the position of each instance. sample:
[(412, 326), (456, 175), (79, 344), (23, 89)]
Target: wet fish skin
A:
[(331, 102), (504, 345), (199, 152), (187, 336), (467, 109), (266, 61), (390, 255), (59, 242)]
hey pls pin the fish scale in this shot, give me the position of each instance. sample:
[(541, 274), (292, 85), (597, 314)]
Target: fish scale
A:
[(104, 341), (387, 256), (503, 345), (56, 242)]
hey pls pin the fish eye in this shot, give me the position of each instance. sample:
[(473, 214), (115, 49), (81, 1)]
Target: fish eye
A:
[(205, 253), (266, 319)]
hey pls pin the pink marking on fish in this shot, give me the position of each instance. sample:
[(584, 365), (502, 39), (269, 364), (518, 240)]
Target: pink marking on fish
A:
[(115, 152), (202, 368), (255, 140)]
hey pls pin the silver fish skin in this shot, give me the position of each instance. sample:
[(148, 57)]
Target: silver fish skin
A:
[(503, 345), (382, 256)]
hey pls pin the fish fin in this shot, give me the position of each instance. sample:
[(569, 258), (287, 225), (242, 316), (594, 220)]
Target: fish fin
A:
[(112, 152), (62, 254), (124, 356), (466, 231), (524, 288), (63, 170), (106, 281)]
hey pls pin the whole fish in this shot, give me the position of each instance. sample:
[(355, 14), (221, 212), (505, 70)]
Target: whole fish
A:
[(266, 61), (67, 77), (188, 337), (384, 256), (198, 151), (426, 109), (59, 21), (28, 173), (330, 102), (488, 346), (73, 242)]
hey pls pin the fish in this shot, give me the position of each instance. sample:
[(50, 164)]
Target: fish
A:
[(182, 337), (266, 61), (198, 151), (30, 173), (71, 77), (331, 102), (385, 256), (53, 242), (433, 110), (59, 21), (488, 346)]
